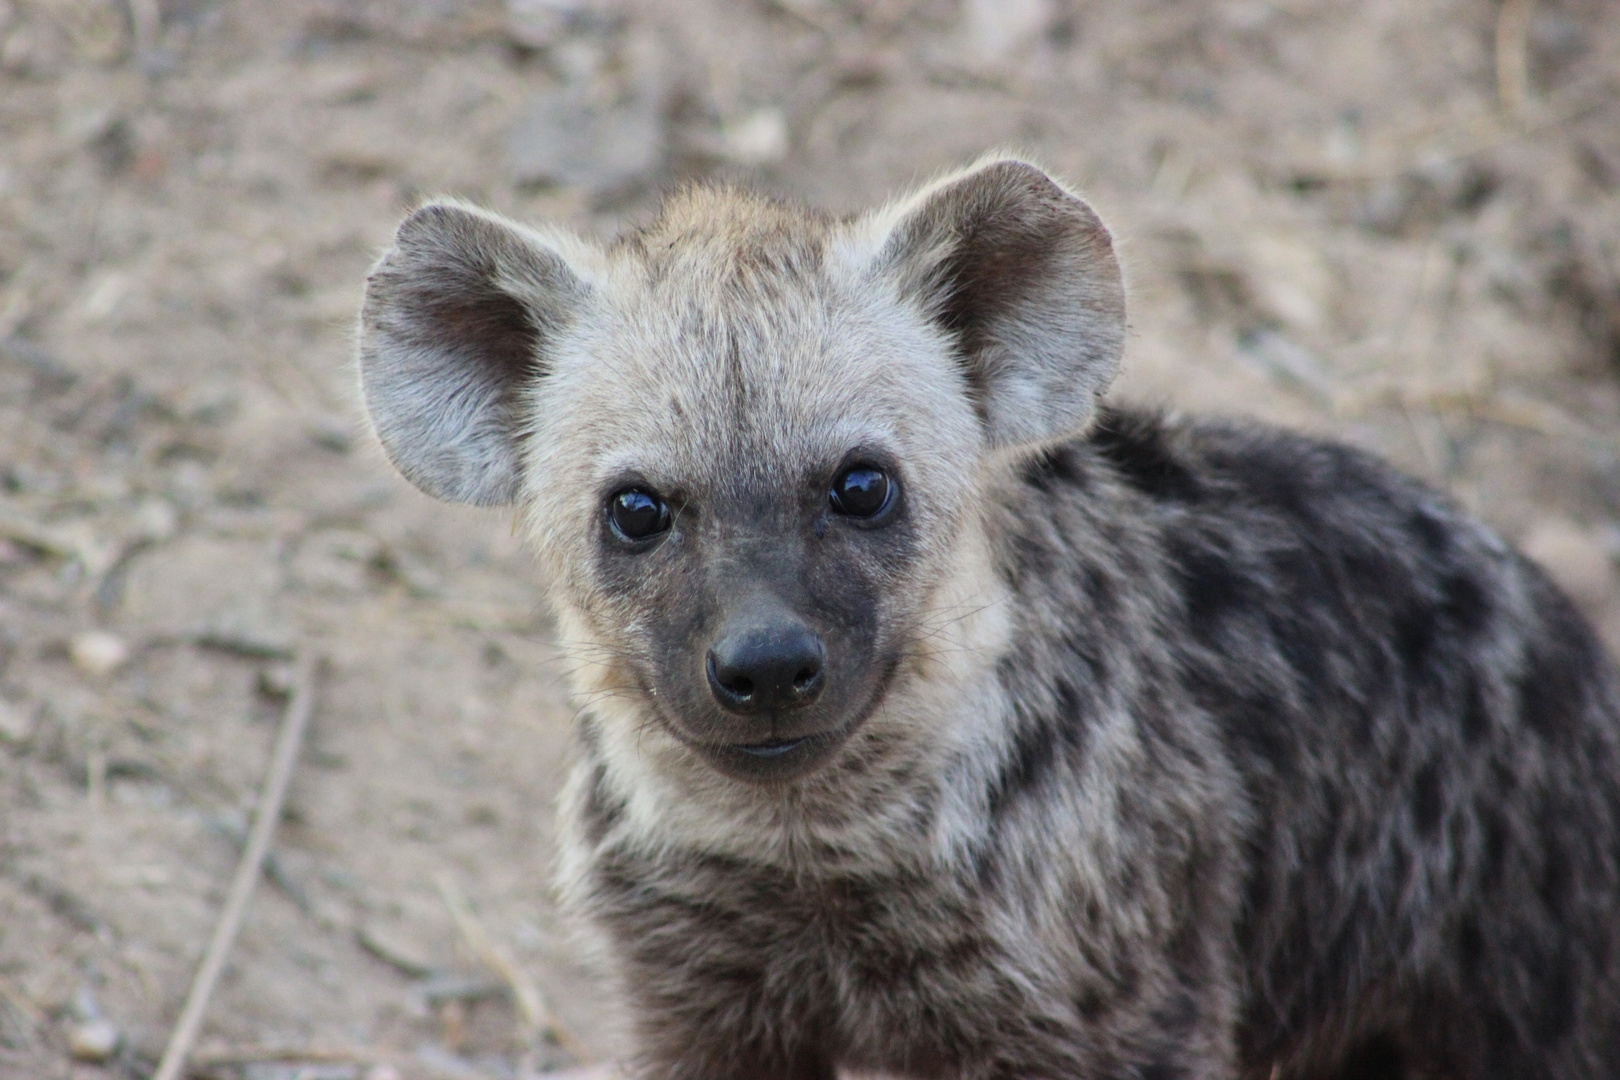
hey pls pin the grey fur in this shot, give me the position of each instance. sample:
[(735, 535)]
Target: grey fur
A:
[(1151, 748)]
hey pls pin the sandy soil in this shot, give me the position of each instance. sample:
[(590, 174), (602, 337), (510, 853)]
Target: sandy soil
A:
[(1395, 220)]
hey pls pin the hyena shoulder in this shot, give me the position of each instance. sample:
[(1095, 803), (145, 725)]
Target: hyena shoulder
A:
[(1427, 732)]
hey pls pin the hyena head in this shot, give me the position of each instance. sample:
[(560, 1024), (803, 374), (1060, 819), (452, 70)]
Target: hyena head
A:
[(750, 440)]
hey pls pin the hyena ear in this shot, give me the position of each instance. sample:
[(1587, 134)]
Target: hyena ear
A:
[(1021, 273), (456, 323)]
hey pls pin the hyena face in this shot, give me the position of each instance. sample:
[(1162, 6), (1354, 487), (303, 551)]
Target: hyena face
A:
[(747, 438), (746, 522)]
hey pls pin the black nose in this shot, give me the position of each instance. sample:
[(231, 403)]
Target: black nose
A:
[(762, 668)]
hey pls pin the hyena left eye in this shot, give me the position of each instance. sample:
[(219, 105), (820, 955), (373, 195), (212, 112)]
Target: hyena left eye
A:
[(861, 491), (635, 514)]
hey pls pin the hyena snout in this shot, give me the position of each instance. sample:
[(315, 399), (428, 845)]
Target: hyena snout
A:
[(766, 663)]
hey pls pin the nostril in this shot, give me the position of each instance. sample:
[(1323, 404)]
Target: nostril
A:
[(732, 687), (805, 679)]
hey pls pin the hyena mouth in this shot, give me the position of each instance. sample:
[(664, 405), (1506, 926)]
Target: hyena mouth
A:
[(777, 761), (773, 749)]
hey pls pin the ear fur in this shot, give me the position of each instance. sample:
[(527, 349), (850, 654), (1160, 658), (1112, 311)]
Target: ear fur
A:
[(1021, 274), (456, 321)]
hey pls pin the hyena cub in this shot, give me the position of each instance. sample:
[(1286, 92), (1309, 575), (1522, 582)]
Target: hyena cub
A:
[(941, 722)]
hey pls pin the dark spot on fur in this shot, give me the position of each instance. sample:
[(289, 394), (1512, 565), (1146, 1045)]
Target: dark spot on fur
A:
[(1470, 947), (1476, 718), (1353, 843), (1042, 741), (1426, 802), (1211, 583), (987, 865), (1495, 851), (1400, 870), (1549, 700), (1135, 444), (1431, 532), (1162, 1070), (1249, 718), (1055, 468), (1503, 1055), (1067, 715), (1027, 764), (1100, 594), (1177, 1016), (1031, 557), (1559, 665), (1125, 982), (1553, 1009), (1608, 1044), (1303, 651), (1557, 877), (1377, 1058), (1276, 475), (602, 811), (1465, 602), (1415, 629)]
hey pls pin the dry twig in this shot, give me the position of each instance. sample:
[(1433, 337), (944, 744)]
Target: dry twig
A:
[(801, 12), (1512, 61), (530, 1005), (1465, 138), (215, 1056), (64, 542), (24, 1014), (146, 22), (282, 759), (207, 1059)]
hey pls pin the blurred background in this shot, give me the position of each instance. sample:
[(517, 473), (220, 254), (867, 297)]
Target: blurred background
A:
[(1394, 221)]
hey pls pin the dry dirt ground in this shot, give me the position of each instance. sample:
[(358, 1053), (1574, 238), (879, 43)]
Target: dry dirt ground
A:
[(1397, 221)]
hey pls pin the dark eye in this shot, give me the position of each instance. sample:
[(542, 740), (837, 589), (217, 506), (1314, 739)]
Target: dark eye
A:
[(861, 491), (637, 515)]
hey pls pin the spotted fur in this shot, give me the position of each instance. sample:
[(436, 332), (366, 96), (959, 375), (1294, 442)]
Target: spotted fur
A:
[(1153, 748)]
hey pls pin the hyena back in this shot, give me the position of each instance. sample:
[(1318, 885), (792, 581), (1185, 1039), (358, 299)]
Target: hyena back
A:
[(940, 721)]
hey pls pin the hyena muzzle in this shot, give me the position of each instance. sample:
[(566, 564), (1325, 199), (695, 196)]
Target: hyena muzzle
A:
[(942, 722)]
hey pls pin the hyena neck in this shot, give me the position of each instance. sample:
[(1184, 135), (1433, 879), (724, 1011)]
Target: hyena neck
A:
[(885, 804)]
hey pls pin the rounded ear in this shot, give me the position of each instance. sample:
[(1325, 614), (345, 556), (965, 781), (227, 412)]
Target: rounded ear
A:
[(1021, 274), (457, 321)]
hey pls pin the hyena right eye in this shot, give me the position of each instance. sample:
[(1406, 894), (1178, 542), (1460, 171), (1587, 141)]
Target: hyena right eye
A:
[(862, 491), (636, 515)]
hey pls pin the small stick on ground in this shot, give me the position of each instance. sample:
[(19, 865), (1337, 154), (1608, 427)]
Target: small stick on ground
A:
[(266, 815), (530, 1005), (25, 1016), (1512, 60), (146, 20), (207, 1056)]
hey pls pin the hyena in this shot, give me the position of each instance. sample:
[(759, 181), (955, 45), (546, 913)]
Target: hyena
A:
[(942, 721)]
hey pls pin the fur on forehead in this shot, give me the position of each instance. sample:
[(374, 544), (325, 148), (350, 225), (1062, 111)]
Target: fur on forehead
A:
[(710, 236), (727, 347)]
